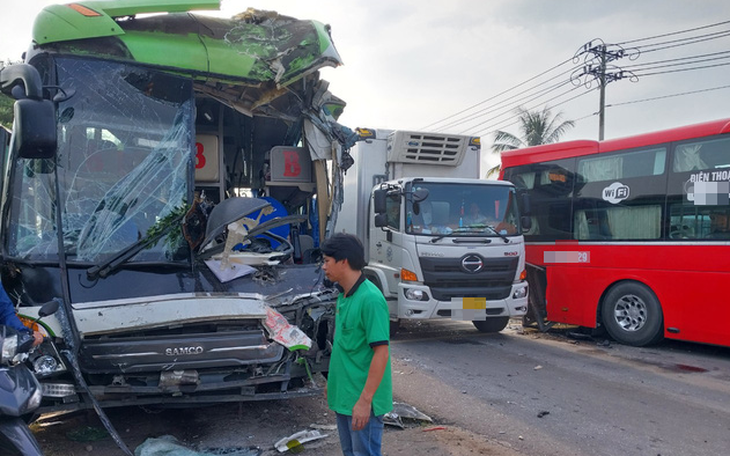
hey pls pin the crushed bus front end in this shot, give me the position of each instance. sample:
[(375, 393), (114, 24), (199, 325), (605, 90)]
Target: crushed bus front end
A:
[(176, 206)]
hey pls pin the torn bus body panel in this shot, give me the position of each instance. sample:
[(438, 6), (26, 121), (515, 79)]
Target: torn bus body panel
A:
[(180, 217), (254, 46)]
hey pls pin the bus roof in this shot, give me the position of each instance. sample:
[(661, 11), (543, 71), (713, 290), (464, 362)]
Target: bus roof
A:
[(569, 149), (254, 46)]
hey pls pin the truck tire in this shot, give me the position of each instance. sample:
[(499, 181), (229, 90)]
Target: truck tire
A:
[(491, 325), (394, 327), (632, 314), (394, 324)]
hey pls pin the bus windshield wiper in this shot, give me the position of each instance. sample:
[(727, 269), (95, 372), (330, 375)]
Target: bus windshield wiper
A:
[(110, 265)]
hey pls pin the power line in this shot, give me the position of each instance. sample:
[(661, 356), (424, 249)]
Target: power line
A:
[(679, 70), (668, 96), (496, 107), (686, 41), (500, 93), (711, 54), (679, 32), (492, 129), (516, 115), (654, 66), (639, 70)]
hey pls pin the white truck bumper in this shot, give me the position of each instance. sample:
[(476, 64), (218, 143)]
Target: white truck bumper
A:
[(515, 305)]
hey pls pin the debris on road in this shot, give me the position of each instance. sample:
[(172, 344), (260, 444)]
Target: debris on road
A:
[(324, 427), (542, 413), (435, 428), (401, 410), (87, 434), (537, 368), (168, 445), (298, 439)]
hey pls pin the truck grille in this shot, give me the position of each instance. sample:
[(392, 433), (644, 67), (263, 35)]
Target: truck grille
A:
[(447, 279)]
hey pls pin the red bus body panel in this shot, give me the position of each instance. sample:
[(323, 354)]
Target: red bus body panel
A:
[(691, 279), (685, 278)]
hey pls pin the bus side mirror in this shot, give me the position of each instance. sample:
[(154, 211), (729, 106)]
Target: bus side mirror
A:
[(379, 197), (526, 222), (34, 128), (525, 200), (381, 220)]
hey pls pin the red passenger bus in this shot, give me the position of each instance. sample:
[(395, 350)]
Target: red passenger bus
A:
[(631, 234)]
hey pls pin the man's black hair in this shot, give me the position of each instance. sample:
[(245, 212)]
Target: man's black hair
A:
[(343, 246)]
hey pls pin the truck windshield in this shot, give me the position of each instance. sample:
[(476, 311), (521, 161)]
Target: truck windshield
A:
[(463, 210), (124, 161)]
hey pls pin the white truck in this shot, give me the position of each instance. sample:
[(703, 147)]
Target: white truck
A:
[(434, 233)]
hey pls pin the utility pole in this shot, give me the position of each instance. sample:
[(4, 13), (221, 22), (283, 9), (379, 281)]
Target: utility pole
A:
[(602, 98), (596, 58)]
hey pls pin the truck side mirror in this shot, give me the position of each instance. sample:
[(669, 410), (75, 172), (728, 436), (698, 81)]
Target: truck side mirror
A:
[(420, 195), (381, 220), (526, 222), (34, 128), (379, 197)]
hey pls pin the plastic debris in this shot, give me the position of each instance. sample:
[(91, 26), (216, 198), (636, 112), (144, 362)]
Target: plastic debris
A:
[(282, 332), (297, 440), (404, 411), (168, 445), (324, 427)]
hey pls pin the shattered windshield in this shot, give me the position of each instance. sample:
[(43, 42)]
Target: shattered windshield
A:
[(124, 157), (462, 210)]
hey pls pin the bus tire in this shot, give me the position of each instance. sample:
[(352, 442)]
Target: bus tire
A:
[(491, 325), (632, 314)]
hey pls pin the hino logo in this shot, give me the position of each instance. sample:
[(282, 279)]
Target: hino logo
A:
[(177, 351), (472, 263)]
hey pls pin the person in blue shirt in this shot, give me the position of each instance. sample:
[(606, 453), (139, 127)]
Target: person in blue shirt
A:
[(8, 317)]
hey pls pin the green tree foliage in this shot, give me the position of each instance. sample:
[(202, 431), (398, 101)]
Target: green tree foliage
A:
[(536, 127), (6, 111), (6, 106)]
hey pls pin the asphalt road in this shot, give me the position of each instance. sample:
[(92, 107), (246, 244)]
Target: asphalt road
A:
[(513, 393), (553, 395)]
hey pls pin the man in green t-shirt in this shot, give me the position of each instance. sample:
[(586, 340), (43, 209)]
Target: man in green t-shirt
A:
[(359, 386)]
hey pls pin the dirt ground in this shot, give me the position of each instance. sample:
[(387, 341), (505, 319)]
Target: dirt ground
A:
[(257, 424)]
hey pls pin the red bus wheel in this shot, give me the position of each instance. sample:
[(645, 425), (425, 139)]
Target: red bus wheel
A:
[(632, 314)]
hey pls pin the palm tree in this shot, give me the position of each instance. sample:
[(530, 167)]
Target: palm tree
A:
[(537, 127)]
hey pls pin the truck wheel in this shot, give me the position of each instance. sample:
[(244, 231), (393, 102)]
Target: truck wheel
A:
[(632, 314), (394, 327), (491, 325)]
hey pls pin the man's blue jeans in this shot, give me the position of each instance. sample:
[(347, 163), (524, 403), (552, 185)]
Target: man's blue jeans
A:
[(366, 442)]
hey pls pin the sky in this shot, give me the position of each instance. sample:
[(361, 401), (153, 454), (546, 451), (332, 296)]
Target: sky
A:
[(410, 64)]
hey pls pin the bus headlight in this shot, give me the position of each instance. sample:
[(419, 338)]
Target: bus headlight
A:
[(8, 347), (414, 294), (45, 364)]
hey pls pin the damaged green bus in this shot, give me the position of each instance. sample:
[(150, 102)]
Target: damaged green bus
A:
[(168, 179)]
